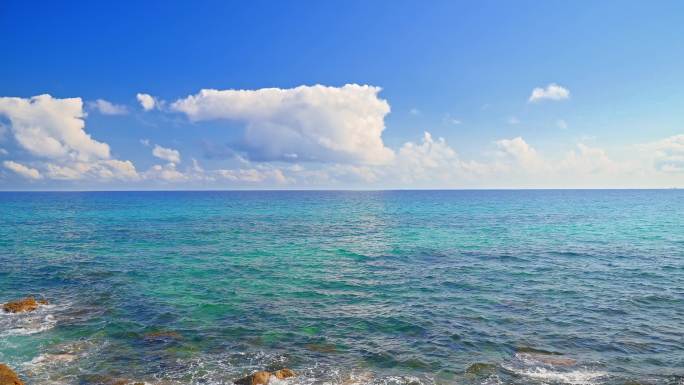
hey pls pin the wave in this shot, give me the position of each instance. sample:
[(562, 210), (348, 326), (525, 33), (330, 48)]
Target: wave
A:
[(553, 368), (572, 377), (39, 320)]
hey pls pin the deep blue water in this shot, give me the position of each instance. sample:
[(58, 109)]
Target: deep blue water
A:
[(386, 287)]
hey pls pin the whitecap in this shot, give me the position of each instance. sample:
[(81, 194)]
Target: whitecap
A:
[(572, 377), (39, 320)]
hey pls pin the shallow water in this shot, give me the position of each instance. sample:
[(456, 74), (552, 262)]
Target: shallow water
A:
[(390, 287)]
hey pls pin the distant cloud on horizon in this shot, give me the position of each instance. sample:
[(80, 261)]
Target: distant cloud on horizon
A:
[(307, 136)]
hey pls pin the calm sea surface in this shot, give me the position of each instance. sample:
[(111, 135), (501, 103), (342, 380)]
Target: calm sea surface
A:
[(390, 287)]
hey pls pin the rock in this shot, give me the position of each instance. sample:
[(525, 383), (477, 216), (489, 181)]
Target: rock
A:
[(480, 368), (322, 348), (284, 373), (358, 379), (163, 335), (22, 305), (8, 377), (99, 379), (531, 350), (263, 377), (549, 360)]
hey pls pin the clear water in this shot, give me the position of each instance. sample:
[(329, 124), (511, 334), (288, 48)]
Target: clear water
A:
[(389, 287)]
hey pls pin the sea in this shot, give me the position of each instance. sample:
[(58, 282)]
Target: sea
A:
[(345, 287)]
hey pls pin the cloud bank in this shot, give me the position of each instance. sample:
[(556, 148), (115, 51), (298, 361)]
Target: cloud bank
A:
[(308, 137)]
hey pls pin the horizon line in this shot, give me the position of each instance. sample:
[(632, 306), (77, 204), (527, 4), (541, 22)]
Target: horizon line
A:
[(359, 190)]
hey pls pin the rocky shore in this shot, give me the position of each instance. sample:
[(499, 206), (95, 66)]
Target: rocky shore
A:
[(8, 377)]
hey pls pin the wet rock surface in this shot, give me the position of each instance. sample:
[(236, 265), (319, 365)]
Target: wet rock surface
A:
[(8, 377), (263, 377), (23, 305)]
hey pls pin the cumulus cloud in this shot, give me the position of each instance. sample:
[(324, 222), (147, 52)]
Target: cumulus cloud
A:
[(148, 102), (669, 154), (167, 172), (106, 169), (552, 92), (107, 108), (53, 130), (518, 150), (306, 123), (167, 154), (26, 172)]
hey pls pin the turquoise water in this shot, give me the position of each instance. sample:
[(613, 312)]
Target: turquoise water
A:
[(394, 287)]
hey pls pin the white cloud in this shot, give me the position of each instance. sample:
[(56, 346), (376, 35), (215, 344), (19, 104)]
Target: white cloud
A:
[(562, 124), (306, 123), (3, 151), (107, 108), (52, 128), (104, 170), (669, 154), (147, 101), (414, 111), (513, 120), (518, 150), (551, 92), (167, 172), (167, 154), (145, 142), (26, 172), (253, 175)]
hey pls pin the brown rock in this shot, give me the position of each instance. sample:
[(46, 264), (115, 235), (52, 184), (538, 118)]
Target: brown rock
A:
[(284, 373), (261, 378), (8, 377), (22, 305)]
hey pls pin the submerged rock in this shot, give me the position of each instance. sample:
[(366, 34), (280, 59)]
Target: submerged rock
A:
[(22, 305), (100, 379), (8, 377), (322, 348), (549, 359), (480, 368), (358, 379), (163, 335), (531, 350), (263, 377)]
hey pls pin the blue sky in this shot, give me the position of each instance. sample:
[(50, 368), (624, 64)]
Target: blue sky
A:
[(439, 94)]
